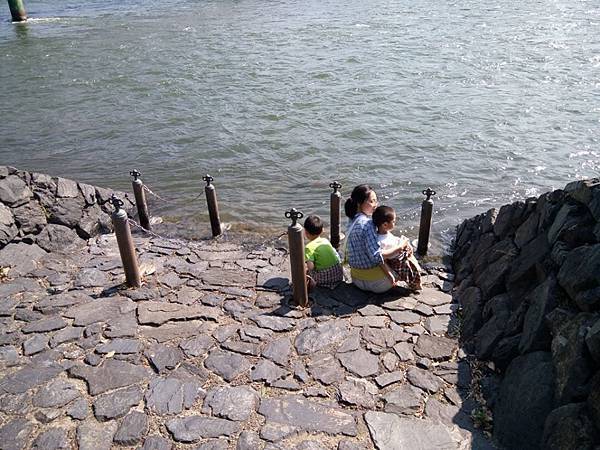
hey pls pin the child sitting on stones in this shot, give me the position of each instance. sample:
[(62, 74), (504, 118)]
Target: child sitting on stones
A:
[(404, 264), (322, 260)]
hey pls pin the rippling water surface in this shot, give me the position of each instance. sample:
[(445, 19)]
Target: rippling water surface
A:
[(485, 103)]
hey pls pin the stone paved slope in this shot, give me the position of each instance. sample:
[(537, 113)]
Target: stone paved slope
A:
[(209, 354)]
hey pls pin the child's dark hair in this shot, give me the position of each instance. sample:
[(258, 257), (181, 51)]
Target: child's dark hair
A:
[(382, 214), (314, 225), (359, 194)]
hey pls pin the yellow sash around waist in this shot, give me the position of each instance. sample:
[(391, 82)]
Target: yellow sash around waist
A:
[(376, 273)]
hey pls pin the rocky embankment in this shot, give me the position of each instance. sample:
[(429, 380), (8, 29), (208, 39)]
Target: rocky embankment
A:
[(528, 281), (209, 353)]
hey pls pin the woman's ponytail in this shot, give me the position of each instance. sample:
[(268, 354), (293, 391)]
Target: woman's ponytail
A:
[(359, 195), (350, 208)]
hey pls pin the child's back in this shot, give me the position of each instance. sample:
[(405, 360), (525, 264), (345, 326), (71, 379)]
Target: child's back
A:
[(322, 260)]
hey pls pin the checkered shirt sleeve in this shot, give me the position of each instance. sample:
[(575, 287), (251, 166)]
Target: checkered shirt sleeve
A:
[(364, 251)]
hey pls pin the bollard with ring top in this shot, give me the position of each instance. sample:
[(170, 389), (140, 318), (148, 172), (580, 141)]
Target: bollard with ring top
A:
[(125, 243), (335, 202), (296, 243), (425, 225), (140, 199), (213, 207)]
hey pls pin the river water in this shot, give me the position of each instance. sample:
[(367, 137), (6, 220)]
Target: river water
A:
[(485, 103)]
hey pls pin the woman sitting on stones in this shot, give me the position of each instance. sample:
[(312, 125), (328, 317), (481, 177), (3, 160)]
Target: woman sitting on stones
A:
[(363, 252)]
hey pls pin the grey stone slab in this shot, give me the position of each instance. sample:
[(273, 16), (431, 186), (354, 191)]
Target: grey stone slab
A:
[(112, 374), (120, 346), (158, 313), (15, 433), (172, 395), (249, 440), (437, 326), (314, 339), (245, 348), (404, 350), (9, 356), (274, 432), (68, 334), (267, 371), (173, 331), (307, 415), (45, 325), (227, 365), (79, 410), (369, 321), (56, 394), (197, 346), (435, 348), (326, 369), (360, 362), (274, 323), (405, 317), (164, 357), (116, 404), (392, 432), (228, 278), (361, 393), (232, 402), (58, 238), (29, 377), (93, 435), (434, 297), (88, 278), (132, 429), (35, 344), (194, 428), (423, 379), (279, 351), (405, 399), (52, 439), (385, 379), (157, 443), (56, 303), (224, 332), (214, 444), (99, 310), (21, 258)]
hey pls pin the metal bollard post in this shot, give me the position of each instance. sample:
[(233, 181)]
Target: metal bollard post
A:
[(17, 10), (125, 242), (213, 206), (140, 199), (425, 225), (296, 243), (335, 202)]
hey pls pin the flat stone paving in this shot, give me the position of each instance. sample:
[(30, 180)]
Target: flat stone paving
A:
[(211, 354)]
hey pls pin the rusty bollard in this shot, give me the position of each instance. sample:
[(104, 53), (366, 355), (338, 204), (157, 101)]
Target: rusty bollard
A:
[(425, 225), (335, 202), (140, 199), (213, 206), (125, 242), (298, 269)]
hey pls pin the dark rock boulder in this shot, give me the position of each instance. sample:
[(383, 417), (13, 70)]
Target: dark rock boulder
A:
[(528, 269), (509, 219), (593, 400), (14, 191), (8, 227), (57, 237), (592, 340), (525, 399), (580, 270), (471, 309), (30, 217), (569, 428), (572, 363), (536, 334)]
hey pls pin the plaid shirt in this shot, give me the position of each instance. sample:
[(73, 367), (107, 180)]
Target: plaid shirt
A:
[(363, 249)]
